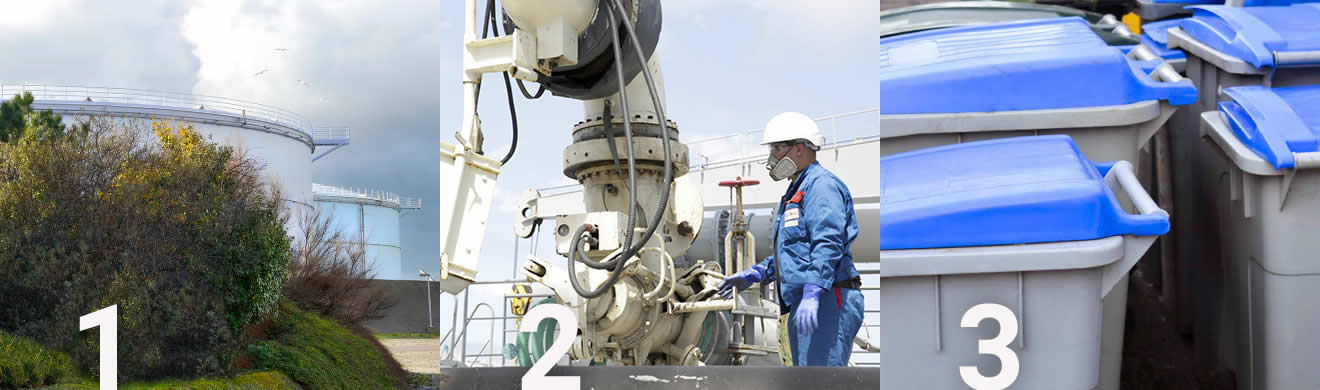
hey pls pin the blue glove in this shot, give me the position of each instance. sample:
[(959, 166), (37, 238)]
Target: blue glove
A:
[(741, 280), (806, 310)]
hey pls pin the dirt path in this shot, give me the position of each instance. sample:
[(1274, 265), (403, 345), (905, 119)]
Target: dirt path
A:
[(419, 356)]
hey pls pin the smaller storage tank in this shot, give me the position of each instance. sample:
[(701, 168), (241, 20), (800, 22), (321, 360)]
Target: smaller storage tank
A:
[(371, 215)]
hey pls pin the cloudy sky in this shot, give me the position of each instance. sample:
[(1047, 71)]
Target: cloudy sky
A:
[(390, 70)]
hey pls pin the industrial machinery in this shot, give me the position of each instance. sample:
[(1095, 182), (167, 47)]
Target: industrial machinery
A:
[(634, 305)]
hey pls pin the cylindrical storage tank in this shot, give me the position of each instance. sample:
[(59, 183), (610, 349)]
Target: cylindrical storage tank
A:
[(372, 216), (281, 141)]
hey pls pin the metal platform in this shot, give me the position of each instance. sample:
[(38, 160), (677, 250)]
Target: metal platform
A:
[(672, 377)]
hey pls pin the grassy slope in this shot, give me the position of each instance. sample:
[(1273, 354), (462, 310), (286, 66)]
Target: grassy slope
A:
[(321, 354), (302, 348), (263, 380)]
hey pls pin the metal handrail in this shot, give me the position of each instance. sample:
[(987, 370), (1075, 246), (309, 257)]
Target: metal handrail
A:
[(163, 99), (374, 195), (463, 335), (331, 135)]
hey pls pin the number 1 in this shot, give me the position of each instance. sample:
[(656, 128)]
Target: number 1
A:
[(105, 318)]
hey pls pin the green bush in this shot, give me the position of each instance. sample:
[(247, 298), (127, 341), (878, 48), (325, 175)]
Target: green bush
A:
[(17, 119), (183, 234), (24, 363), (262, 380), (321, 354)]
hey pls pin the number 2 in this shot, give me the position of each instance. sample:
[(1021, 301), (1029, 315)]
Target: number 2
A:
[(535, 377), (998, 346), (106, 319)]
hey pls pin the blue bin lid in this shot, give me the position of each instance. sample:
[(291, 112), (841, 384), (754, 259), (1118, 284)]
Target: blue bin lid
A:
[(1262, 3), (1000, 192), (1188, 1), (1256, 34), (1275, 122), (1155, 36), (1030, 65), (1245, 3)]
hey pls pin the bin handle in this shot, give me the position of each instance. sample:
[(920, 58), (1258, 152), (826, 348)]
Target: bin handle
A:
[(1163, 72), (1127, 180), (1133, 246), (1178, 90)]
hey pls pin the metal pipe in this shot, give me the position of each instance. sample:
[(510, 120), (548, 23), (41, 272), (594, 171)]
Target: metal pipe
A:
[(429, 324), (467, 293), (690, 307)]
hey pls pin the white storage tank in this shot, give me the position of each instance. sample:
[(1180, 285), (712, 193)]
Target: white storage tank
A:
[(371, 215), (284, 142)]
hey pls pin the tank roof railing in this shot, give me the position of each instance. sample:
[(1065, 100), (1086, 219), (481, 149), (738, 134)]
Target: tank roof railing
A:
[(177, 100), (389, 198), (330, 136), (829, 127)]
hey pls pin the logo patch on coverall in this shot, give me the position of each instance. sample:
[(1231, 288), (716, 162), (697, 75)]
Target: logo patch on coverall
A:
[(791, 215)]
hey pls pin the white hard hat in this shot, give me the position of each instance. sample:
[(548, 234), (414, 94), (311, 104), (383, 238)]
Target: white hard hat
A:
[(790, 126)]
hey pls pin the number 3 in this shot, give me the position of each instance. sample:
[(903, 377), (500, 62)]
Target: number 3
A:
[(535, 377), (998, 346)]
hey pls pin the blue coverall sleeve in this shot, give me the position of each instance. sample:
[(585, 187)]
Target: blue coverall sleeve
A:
[(767, 268), (824, 217)]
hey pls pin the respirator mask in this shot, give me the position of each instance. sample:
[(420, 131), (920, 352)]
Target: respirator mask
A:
[(780, 168)]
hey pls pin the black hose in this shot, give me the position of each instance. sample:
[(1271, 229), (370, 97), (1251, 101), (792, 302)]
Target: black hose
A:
[(512, 118), (609, 137), (485, 27), (616, 264), (529, 96), (615, 271), (508, 87), (664, 128)]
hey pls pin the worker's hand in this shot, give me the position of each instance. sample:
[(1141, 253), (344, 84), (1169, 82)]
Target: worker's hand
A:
[(741, 280), (805, 315)]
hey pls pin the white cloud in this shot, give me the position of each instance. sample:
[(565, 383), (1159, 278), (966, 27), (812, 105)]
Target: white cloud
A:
[(812, 22), (29, 15)]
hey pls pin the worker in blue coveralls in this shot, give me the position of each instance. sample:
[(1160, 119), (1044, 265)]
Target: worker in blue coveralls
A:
[(812, 266)]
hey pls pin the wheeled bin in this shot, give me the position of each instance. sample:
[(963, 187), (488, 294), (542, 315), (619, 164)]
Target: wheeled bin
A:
[(1225, 47), (1036, 77), (1270, 140), (1027, 224), (1156, 10)]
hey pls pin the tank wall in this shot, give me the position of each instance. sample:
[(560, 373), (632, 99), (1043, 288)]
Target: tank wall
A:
[(287, 162), (379, 226)]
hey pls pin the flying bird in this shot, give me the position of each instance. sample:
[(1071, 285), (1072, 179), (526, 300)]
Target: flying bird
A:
[(261, 72), (302, 83)]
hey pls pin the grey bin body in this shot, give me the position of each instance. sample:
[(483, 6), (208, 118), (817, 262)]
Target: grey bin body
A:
[(1101, 133), (1270, 308), (962, 13), (1203, 286), (1150, 11), (1055, 289)]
